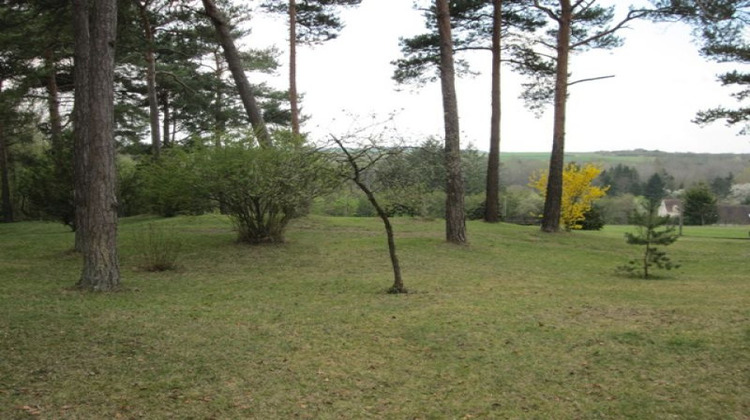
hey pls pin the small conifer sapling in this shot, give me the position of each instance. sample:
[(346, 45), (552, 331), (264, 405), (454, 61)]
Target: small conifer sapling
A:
[(652, 231)]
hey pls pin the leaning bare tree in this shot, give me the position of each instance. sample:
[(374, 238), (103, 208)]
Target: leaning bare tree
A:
[(359, 161)]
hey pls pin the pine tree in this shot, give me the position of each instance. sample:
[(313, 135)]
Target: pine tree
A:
[(577, 25), (652, 231), (722, 29), (310, 22)]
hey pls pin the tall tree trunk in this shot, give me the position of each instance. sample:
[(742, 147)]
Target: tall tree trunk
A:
[(492, 194), (53, 105), (80, 117), (553, 198), (101, 270), (293, 66), (455, 221), (7, 203), (238, 73), (164, 100), (153, 105), (219, 118)]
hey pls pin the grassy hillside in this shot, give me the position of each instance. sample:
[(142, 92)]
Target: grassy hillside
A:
[(687, 168), (518, 324)]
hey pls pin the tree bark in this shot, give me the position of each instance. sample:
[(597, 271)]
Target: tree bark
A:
[(492, 194), (235, 66), (80, 117), (220, 119), (101, 270), (53, 106), (553, 198), (455, 221), (293, 66), (153, 105), (7, 203), (164, 100)]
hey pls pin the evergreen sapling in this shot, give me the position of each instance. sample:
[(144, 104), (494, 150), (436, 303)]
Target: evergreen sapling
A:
[(652, 230)]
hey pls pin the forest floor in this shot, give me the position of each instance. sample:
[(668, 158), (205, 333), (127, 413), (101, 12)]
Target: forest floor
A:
[(517, 324)]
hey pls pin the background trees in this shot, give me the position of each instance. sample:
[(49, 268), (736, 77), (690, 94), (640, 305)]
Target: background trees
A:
[(491, 25), (170, 56), (699, 206)]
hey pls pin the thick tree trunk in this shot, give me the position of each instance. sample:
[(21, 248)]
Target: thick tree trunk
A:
[(101, 271), (238, 73), (293, 66), (7, 202), (455, 221), (153, 105), (553, 198), (492, 195), (80, 117)]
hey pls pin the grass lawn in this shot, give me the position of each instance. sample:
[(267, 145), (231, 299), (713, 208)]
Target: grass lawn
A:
[(518, 324)]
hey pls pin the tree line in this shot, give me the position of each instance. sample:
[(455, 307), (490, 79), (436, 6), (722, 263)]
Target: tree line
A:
[(82, 84)]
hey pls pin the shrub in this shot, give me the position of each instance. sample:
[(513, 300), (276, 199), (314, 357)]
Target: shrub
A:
[(616, 210), (578, 193), (262, 189), (475, 205), (159, 248), (521, 205), (593, 219), (48, 190), (171, 185)]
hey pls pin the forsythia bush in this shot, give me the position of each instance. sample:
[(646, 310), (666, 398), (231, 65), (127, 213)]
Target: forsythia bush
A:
[(578, 193)]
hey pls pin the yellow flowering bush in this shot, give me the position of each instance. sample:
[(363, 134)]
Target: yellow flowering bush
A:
[(578, 192)]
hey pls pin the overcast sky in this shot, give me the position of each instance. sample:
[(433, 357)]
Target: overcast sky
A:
[(660, 83)]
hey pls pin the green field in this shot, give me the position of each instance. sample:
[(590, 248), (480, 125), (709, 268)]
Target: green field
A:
[(518, 324)]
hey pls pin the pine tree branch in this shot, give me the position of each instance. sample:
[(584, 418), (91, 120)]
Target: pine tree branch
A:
[(632, 15), (591, 79)]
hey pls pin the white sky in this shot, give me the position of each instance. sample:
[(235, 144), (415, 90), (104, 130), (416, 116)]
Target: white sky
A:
[(660, 83)]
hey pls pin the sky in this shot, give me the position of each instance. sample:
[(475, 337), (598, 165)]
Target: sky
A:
[(660, 82)]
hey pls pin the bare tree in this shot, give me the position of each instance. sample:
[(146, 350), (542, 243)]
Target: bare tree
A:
[(359, 162)]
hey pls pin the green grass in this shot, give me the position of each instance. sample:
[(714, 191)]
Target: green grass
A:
[(518, 324)]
